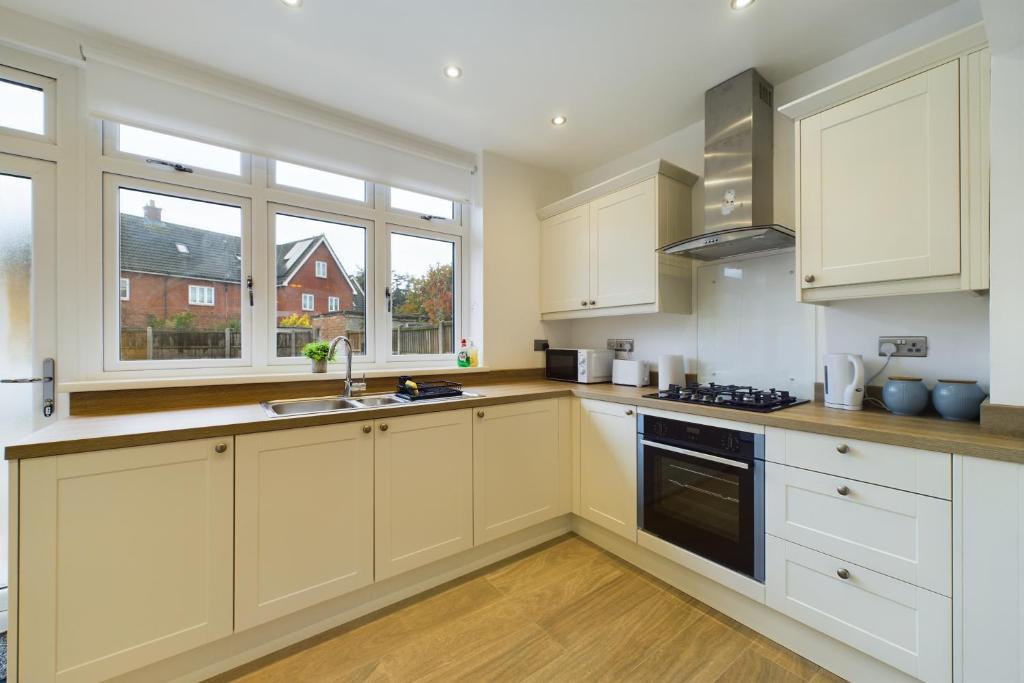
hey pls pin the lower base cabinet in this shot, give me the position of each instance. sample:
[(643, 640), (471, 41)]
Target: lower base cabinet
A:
[(907, 627), (517, 469), (608, 465), (303, 518), (423, 486), (125, 558)]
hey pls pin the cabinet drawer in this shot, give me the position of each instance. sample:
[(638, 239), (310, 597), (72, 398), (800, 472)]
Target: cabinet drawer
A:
[(901, 534), (907, 627), (909, 469)]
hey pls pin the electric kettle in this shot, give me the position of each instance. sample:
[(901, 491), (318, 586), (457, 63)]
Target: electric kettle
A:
[(844, 381)]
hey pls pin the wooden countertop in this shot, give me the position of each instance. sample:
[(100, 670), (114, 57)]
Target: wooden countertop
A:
[(79, 434)]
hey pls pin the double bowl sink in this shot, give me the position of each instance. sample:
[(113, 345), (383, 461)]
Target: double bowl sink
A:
[(340, 404)]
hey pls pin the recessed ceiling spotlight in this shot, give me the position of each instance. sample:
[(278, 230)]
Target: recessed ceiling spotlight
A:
[(452, 71), (559, 120), (740, 4), (292, 3)]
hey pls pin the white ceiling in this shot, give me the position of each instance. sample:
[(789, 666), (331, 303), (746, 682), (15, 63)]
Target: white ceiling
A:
[(625, 72)]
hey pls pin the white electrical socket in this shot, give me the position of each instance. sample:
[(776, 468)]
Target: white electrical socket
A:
[(909, 347)]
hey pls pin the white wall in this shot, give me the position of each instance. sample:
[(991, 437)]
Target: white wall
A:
[(1004, 22), (951, 321), (510, 194)]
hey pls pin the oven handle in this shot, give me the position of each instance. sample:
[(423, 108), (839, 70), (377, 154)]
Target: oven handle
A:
[(695, 454)]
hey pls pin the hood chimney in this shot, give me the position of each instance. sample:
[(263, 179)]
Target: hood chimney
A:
[(152, 212)]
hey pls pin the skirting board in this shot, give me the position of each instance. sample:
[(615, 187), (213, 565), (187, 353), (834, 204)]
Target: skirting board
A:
[(251, 644), (833, 655)]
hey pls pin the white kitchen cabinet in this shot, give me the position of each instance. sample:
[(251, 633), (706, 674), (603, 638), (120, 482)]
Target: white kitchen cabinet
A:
[(898, 533), (125, 557), (608, 463), (303, 518), (893, 186), (423, 484), (598, 247), (565, 261), (989, 569), (907, 627), (517, 468)]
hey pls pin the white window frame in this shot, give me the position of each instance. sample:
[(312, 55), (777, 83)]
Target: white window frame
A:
[(382, 307), (125, 289), (318, 269), (333, 304), (195, 300), (368, 187), (273, 208), (456, 219), (49, 88), (111, 145), (312, 302), (113, 182)]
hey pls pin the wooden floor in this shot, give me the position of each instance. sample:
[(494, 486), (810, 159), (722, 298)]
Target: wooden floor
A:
[(567, 611)]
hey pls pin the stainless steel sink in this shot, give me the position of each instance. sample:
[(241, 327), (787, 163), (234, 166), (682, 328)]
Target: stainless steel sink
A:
[(338, 404), (305, 406)]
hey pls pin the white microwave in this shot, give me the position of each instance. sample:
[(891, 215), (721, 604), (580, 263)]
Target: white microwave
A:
[(585, 366)]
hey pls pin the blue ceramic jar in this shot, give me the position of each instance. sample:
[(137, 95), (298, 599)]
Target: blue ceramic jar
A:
[(905, 395), (958, 399)]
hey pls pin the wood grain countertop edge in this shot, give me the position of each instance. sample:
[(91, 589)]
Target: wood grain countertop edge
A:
[(83, 434)]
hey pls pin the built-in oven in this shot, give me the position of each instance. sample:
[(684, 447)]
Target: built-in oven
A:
[(701, 488)]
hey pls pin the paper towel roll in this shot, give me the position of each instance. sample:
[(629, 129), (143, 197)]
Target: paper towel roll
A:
[(671, 370)]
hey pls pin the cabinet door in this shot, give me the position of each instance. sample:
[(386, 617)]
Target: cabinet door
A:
[(126, 558), (303, 518), (880, 184), (423, 479), (565, 261), (516, 467), (623, 263), (608, 466)]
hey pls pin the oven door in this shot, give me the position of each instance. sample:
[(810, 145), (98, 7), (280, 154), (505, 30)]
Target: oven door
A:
[(707, 504), (562, 364)]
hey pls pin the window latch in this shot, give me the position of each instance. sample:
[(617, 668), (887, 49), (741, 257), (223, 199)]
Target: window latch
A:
[(170, 164), (427, 217), (387, 295), (248, 284)]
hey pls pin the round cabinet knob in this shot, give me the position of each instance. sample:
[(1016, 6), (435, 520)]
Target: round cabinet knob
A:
[(843, 573), (629, 412), (843, 490), (808, 278), (480, 413), (583, 303), (593, 303), (842, 448), (384, 427), (221, 448), (367, 429)]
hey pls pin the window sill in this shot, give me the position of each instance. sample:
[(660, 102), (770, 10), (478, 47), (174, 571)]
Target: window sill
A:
[(263, 378)]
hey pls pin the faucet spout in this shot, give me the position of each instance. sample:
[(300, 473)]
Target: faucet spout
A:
[(348, 361)]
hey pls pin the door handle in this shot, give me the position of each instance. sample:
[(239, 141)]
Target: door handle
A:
[(49, 372)]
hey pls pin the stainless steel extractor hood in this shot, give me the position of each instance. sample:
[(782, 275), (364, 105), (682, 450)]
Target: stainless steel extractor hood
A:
[(737, 173)]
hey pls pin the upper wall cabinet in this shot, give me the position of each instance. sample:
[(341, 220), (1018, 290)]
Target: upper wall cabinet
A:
[(598, 247), (893, 186)]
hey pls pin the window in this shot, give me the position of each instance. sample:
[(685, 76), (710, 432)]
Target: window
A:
[(321, 269), (183, 252), (126, 289), (23, 108), (200, 295), (424, 272), (321, 182), (304, 238), (170, 148), (422, 204)]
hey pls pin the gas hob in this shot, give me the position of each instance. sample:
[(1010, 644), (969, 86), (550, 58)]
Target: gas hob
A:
[(729, 396)]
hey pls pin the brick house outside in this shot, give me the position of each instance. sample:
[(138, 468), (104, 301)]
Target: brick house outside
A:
[(169, 269)]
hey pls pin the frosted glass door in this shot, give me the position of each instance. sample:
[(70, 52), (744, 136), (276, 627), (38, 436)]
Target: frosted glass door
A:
[(26, 308)]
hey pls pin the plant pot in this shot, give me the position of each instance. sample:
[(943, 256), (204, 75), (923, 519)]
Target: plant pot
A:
[(957, 399), (905, 395), (320, 365)]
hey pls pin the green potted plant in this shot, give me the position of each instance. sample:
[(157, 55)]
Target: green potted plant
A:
[(319, 352)]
